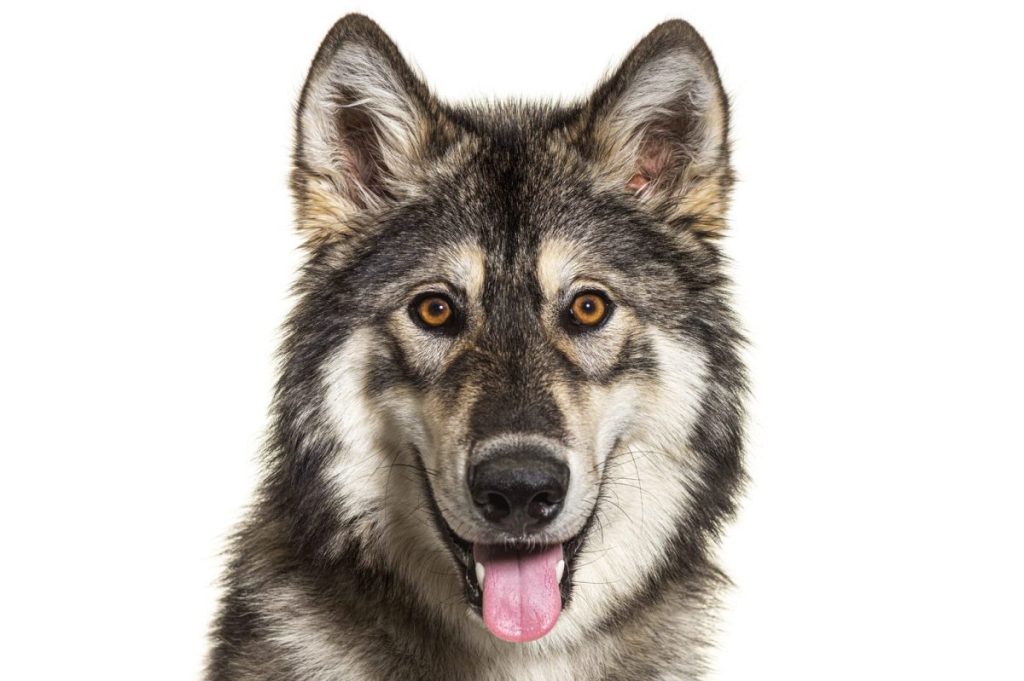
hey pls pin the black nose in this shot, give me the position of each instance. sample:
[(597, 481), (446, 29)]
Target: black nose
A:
[(520, 490)]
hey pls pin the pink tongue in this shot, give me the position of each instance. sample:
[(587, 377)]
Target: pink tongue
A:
[(521, 596)]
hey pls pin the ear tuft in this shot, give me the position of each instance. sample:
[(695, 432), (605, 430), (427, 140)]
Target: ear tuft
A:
[(658, 127), (362, 124)]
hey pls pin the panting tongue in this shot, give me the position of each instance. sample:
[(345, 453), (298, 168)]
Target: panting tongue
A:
[(521, 595)]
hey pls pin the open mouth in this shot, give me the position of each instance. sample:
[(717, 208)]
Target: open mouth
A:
[(519, 589)]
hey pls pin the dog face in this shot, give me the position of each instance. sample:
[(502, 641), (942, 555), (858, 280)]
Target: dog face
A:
[(511, 376)]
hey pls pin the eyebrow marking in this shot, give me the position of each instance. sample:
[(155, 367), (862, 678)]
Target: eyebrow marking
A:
[(468, 268), (556, 265)]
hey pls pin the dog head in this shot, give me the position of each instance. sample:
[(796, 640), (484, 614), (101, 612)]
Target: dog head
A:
[(511, 379)]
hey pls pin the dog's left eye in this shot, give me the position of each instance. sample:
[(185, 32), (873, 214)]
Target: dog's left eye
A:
[(432, 311), (589, 310)]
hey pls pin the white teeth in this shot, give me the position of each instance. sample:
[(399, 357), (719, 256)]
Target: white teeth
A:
[(480, 574), (559, 571)]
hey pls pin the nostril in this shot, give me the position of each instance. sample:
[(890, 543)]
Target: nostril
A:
[(544, 505), (495, 507)]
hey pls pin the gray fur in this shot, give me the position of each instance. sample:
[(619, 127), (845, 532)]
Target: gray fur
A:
[(352, 563)]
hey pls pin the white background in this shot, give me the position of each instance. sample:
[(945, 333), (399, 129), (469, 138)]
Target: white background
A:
[(147, 251)]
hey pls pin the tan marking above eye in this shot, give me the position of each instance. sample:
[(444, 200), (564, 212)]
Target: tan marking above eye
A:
[(589, 309), (434, 311)]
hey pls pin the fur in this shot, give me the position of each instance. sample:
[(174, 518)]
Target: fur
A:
[(352, 562)]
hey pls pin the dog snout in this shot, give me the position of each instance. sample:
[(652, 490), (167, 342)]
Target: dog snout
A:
[(519, 489)]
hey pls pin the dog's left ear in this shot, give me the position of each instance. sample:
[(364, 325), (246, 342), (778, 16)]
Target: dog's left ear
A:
[(657, 129), (364, 126)]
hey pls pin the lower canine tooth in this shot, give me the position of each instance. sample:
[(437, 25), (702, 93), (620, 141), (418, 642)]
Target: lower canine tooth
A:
[(559, 571), (480, 574)]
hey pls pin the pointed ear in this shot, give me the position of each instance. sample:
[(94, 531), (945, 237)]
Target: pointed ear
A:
[(363, 124), (658, 128)]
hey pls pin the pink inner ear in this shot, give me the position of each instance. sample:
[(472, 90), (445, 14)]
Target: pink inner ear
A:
[(653, 159), (638, 182)]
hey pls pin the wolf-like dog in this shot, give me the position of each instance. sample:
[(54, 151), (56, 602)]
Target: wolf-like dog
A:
[(508, 427)]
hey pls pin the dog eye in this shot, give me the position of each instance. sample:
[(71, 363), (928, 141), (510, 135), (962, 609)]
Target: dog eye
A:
[(589, 309), (432, 311)]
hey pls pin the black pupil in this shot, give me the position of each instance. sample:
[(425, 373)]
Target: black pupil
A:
[(436, 308), (589, 305)]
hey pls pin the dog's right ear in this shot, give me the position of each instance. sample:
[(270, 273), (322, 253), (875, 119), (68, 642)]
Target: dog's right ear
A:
[(363, 123)]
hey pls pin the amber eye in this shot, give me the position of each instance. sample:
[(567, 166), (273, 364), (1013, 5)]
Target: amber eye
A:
[(432, 310), (589, 309)]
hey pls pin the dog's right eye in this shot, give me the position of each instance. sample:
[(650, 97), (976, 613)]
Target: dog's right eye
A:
[(589, 310), (433, 311)]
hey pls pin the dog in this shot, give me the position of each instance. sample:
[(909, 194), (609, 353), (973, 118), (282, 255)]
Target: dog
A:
[(509, 422)]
